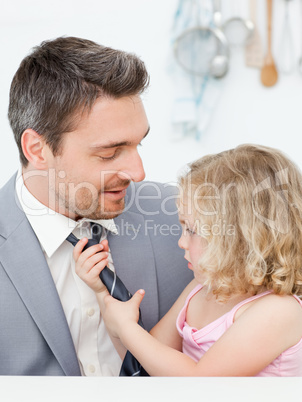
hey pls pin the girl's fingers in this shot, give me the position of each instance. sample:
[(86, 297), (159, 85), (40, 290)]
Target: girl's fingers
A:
[(105, 244), (90, 251), (97, 259), (137, 297), (90, 262), (97, 268), (81, 255), (78, 248)]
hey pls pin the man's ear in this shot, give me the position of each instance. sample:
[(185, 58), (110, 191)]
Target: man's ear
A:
[(34, 148)]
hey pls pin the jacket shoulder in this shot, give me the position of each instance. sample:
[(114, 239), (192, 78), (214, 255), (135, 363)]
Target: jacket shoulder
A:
[(152, 198), (11, 212)]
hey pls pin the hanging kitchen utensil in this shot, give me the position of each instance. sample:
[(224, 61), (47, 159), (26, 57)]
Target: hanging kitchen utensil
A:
[(269, 74), (286, 54), (238, 30), (253, 49), (202, 50)]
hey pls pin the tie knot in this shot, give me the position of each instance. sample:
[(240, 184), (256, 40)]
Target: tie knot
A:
[(96, 231)]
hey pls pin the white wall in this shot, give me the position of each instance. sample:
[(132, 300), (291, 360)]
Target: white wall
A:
[(246, 111)]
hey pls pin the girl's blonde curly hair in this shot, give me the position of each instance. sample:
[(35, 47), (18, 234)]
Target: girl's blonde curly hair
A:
[(252, 196)]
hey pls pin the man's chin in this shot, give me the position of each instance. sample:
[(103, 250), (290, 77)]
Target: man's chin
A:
[(109, 215), (98, 214)]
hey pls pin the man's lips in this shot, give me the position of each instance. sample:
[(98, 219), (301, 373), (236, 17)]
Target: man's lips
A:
[(116, 193), (118, 190)]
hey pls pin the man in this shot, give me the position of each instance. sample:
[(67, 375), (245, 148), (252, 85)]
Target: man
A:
[(78, 119)]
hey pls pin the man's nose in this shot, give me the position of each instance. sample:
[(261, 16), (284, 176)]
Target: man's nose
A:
[(134, 169)]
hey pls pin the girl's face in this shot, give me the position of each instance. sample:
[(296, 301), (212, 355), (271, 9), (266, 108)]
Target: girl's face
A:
[(193, 243)]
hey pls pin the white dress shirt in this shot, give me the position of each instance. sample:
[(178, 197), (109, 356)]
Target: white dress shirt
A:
[(96, 353)]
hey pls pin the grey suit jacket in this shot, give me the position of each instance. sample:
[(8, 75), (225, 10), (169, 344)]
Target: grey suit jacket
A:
[(34, 335)]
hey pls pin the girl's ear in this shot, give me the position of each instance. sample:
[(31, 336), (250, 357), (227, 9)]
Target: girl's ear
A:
[(34, 146)]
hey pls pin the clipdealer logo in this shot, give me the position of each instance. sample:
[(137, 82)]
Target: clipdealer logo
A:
[(281, 221)]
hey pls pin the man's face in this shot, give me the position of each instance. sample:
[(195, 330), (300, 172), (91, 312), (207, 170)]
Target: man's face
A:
[(100, 159)]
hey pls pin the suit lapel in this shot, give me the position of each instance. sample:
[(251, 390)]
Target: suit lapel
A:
[(25, 264), (133, 259)]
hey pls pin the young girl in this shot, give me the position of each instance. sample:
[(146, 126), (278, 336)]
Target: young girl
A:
[(241, 213)]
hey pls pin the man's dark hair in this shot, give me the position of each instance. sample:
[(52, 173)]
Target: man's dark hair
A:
[(64, 77)]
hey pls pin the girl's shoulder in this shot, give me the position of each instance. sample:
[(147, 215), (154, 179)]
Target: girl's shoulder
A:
[(284, 311), (272, 302), (283, 304)]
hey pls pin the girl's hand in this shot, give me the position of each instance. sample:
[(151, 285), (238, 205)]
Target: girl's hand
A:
[(90, 263), (119, 316)]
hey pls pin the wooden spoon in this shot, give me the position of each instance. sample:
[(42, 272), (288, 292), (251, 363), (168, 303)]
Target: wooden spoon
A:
[(269, 74)]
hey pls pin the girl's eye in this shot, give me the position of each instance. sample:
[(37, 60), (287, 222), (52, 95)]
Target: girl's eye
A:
[(190, 232)]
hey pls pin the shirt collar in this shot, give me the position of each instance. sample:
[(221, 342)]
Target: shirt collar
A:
[(50, 227)]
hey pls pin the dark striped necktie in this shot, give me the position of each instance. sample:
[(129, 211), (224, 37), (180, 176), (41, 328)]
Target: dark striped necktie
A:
[(116, 288)]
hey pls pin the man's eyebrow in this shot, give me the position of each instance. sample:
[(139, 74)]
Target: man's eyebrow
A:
[(116, 144)]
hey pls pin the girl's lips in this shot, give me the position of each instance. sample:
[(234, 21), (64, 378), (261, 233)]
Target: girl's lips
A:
[(190, 266)]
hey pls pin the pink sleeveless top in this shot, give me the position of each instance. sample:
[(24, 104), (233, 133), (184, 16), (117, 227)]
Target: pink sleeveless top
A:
[(197, 342)]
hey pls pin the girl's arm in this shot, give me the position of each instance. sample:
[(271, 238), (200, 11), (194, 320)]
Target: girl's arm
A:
[(88, 265), (261, 333), (165, 330)]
